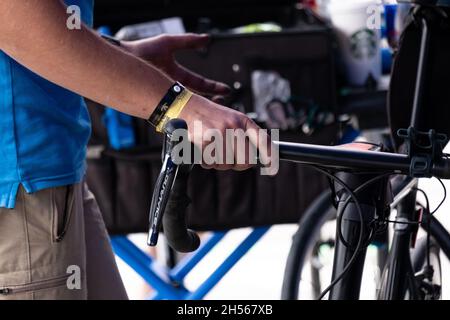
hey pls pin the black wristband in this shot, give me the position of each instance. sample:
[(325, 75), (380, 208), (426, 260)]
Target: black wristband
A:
[(111, 40), (175, 90)]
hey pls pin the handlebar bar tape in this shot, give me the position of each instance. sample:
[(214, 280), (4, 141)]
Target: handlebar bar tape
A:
[(174, 220)]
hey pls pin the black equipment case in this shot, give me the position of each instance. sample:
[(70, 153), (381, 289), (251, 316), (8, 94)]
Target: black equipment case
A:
[(122, 181)]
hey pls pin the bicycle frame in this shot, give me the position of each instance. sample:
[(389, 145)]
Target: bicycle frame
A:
[(400, 273), (348, 262)]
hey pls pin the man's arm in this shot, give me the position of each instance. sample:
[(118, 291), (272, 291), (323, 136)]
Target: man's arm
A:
[(34, 32)]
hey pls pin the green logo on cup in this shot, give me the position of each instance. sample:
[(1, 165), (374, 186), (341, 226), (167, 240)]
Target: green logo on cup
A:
[(363, 44)]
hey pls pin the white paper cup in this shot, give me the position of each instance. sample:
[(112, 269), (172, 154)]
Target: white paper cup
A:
[(359, 44)]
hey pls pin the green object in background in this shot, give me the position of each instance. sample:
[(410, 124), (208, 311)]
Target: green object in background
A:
[(258, 27)]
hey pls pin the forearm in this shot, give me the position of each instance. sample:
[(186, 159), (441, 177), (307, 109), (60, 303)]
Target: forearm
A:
[(78, 60)]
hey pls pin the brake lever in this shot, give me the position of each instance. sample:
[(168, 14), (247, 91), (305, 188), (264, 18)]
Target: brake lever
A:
[(165, 182)]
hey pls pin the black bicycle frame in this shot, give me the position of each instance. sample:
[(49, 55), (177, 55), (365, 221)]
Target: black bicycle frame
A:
[(399, 277), (350, 162), (371, 201), (400, 273)]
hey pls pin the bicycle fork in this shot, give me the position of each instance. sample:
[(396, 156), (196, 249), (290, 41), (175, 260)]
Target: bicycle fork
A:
[(372, 201), (399, 274)]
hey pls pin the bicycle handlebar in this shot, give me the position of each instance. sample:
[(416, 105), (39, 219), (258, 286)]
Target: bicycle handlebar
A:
[(339, 157), (170, 199)]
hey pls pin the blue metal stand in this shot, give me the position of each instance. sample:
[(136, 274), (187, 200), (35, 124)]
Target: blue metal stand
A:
[(229, 263), (169, 282)]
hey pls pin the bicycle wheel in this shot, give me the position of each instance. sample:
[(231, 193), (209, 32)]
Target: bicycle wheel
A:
[(309, 263), (305, 244), (427, 273)]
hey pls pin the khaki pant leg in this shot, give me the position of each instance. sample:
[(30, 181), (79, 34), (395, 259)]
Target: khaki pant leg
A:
[(42, 246), (103, 278)]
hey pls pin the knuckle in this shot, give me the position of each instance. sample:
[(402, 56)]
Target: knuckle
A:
[(236, 120), (249, 123)]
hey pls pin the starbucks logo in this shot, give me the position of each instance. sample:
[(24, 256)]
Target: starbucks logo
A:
[(363, 44)]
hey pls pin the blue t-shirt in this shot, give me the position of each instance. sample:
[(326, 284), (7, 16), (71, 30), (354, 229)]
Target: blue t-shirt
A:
[(44, 128)]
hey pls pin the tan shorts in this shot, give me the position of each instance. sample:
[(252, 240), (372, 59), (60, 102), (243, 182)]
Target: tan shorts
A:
[(54, 245)]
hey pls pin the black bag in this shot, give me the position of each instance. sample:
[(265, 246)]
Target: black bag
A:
[(436, 113), (198, 15)]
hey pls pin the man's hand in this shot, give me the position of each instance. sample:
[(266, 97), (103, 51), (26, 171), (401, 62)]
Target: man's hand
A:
[(160, 51), (217, 119)]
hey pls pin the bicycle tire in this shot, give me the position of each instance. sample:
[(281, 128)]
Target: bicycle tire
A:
[(303, 241)]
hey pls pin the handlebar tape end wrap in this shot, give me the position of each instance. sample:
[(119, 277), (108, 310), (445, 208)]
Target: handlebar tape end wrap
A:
[(174, 220)]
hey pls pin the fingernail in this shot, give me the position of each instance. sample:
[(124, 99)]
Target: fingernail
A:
[(218, 99)]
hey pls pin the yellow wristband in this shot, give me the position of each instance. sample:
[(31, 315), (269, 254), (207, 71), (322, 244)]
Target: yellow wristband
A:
[(175, 109)]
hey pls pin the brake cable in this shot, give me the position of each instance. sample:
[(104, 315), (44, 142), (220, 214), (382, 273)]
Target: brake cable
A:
[(359, 245)]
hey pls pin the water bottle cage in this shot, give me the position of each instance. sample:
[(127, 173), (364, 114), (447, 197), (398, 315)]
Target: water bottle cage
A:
[(423, 149)]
